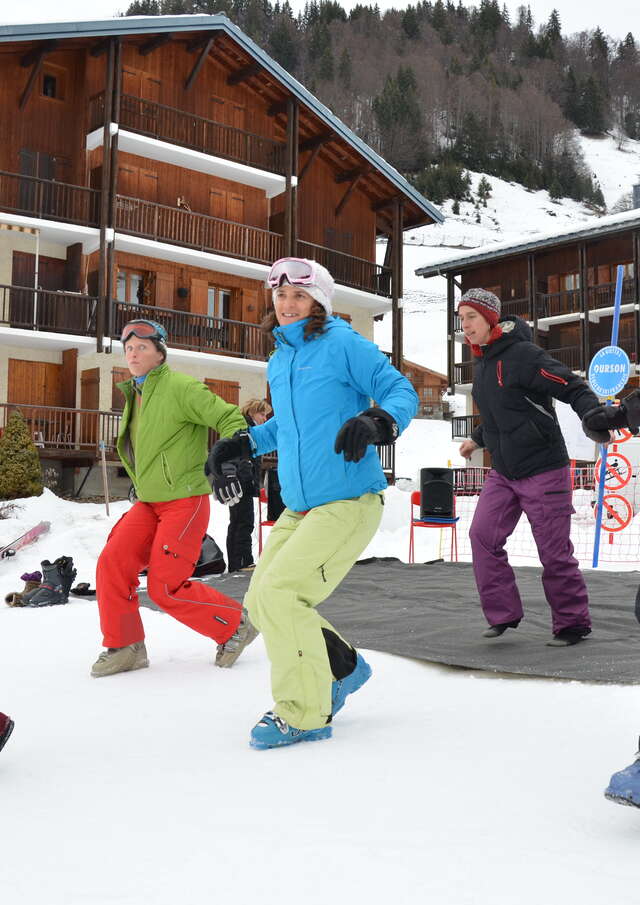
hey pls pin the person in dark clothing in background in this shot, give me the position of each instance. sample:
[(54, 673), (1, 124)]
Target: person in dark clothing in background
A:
[(241, 516), (513, 385), (6, 728)]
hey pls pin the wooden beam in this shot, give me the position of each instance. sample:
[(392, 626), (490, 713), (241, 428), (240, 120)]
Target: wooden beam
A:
[(33, 75), (199, 64), (277, 109), (37, 52), (308, 162), (380, 205), (348, 193), (316, 141), (101, 47), (240, 75), (158, 41), (348, 175)]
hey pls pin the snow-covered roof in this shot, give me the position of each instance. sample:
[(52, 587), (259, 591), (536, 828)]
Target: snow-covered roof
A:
[(604, 226)]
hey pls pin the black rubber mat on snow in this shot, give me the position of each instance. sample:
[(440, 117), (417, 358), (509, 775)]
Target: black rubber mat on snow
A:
[(431, 612)]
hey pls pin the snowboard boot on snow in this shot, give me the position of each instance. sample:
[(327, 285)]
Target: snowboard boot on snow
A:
[(624, 786), (32, 581), (6, 728), (340, 688), (228, 653), (57, 580), (273, 732), (569, 636), (494, 631), (120, 659)]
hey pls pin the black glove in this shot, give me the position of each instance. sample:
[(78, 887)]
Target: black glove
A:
[(227, 487), (371, 426), (228, 449), (597, 422), (226, 457)]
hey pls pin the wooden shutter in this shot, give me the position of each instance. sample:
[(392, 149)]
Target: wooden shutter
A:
[(229, 390), (165, 290), (34, 382), (218, 203), (117, 397), (199, 296), (235, 207)]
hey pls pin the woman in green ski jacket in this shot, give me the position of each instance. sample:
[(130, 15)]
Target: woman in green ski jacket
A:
[(163, 447)]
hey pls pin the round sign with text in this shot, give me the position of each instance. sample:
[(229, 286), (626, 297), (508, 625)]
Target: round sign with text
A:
[(609, 371)]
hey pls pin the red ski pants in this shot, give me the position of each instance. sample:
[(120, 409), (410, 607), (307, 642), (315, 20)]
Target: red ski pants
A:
[(166, 539)]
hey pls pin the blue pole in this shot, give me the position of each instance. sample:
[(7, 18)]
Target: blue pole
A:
[(603, 447)]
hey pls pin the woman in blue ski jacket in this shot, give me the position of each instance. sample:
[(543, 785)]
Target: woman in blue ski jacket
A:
[(323, 377)]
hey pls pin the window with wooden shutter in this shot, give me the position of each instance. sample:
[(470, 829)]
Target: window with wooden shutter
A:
[(229, 390), (117, 397)]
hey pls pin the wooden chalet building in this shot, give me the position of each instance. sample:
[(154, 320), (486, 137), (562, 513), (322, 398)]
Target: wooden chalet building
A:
[(430, 387), (155, 167), (563, 285)]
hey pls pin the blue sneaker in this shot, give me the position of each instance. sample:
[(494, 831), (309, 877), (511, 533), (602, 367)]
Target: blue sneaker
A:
[(273, 732), (343, 687), (624, 787)]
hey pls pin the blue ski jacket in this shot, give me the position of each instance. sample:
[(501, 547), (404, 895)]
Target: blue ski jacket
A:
[(316, 386)]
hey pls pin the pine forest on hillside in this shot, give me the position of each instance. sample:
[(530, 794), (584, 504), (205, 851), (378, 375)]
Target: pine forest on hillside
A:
[(437, 88)]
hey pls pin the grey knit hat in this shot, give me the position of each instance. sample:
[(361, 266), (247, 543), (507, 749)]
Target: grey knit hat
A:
[(484, 302)]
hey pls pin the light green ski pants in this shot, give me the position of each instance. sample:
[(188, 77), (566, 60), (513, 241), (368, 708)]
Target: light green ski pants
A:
[(304, 560)]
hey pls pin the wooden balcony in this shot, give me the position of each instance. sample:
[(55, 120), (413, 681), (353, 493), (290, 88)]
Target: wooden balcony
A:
[(179, 127), (571, 356), (67, 433), (516, 308), (197, 332), (463, 372), (49, 199), (40, 309), (551, 304), (604, 295), (192, 230), (627, 343), (463, 425), (349, 270)]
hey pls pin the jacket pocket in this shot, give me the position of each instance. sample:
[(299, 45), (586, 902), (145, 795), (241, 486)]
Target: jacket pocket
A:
[(166, 471)]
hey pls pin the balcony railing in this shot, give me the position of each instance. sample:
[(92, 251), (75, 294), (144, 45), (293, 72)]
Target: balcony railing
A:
[(197, 332), (67, 431), (551, 304), (49, 199), (40, 309), (349, 270), (603, 295), (463, 372), (181, 227), (516, 307), (628, 344), (463, 425), (190, 131), (571, 356)]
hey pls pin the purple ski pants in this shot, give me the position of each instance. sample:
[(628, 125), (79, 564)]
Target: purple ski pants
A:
[(546, 501)]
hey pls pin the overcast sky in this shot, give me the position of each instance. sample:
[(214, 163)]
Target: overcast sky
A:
[(615, 17)]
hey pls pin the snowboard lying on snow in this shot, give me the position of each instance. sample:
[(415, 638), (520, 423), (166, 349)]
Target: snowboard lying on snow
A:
[(27, 538)]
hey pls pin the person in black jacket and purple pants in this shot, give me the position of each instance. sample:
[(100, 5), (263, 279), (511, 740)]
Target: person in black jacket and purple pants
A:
[(6, 728), (513, 386)]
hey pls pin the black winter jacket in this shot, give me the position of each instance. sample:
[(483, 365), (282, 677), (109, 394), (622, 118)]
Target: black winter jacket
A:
[(513, 383)]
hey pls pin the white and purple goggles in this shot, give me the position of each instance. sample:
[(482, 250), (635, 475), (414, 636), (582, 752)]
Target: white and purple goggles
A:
[(302, 272)]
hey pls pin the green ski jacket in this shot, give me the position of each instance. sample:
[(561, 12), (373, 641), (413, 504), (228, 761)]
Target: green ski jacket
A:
[(172, 433)]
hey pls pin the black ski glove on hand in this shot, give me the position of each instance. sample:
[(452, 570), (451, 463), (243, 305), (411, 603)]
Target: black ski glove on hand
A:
[(604, 418), (225, 458), (374, 425)]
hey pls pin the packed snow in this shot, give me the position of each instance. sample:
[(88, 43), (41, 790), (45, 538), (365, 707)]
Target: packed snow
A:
[(438, 784)]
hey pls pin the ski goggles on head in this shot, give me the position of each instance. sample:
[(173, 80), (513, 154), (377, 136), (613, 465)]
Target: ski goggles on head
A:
[(300, 272), (143, 330)]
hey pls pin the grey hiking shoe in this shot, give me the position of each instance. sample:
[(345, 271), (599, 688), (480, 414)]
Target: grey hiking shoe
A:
[(228, 653), (120, 659)]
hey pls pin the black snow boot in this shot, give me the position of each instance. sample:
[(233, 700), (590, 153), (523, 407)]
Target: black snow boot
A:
[(57, 579)]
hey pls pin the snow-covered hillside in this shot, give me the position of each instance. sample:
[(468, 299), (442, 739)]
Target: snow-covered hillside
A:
[(511, 213)]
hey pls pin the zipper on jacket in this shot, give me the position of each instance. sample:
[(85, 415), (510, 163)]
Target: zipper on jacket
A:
[(499, 372), (554, 377)]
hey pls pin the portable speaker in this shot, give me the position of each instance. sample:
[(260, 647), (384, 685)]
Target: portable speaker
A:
[(436, 493), (275, 506)]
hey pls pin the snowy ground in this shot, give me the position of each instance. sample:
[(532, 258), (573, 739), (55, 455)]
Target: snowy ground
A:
[(439, 784)]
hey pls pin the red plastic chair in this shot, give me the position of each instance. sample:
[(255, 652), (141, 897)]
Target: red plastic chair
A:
[(432, 523), (262, 501)]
